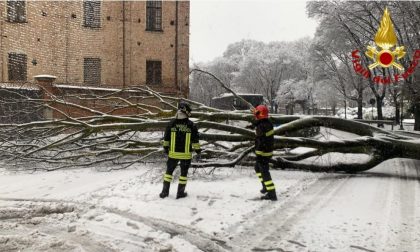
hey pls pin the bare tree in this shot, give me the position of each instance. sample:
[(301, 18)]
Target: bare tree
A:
[(359, 21), (202, 88)]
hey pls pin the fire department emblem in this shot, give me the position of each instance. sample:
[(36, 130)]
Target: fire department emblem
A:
[(385, 39)]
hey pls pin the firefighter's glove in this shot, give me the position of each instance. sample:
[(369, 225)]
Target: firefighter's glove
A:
[(166, 150), (250, 126), (198, 156)]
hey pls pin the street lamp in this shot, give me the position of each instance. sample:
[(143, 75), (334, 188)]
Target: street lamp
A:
[(399, 87)]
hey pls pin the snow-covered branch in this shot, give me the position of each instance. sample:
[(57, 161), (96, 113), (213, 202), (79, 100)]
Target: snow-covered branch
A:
[(118, 141)]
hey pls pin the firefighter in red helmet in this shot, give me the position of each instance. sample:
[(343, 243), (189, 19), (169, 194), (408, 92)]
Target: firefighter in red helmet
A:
[(264, 141)]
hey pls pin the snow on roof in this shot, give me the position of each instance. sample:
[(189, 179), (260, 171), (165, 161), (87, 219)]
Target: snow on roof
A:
[(46, 76), (23, 86), (87, 88), (95, 88), (240, 94), (408, 121)]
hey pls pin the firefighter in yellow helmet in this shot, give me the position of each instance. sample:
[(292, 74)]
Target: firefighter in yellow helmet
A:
[(264, 142), (181, 137)]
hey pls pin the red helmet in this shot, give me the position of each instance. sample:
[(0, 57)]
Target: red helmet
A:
[(261, 112)]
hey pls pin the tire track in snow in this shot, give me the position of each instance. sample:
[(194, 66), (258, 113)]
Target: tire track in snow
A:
[(319, 196), (408, 208), (42, 226), (201, 240), (265, 230), (397, 196), (339, 212), (269, 207)]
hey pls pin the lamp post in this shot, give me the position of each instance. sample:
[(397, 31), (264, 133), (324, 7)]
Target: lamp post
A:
[(289, 105)]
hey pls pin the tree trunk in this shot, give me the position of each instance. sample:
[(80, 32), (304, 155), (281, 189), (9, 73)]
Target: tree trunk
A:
[(360, 107), (289, 109), (345, 109), (417, 116), (302, 105), (379, 111), (397, 113)]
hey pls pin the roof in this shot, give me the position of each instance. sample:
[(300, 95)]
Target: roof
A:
[(239, 94), (22, 86), (45, 77), (87, 88)]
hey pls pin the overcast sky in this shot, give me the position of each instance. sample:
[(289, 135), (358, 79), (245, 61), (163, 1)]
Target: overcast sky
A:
[(217, 23)]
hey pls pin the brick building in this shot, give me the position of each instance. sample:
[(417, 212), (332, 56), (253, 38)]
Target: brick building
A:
[(97, 43)]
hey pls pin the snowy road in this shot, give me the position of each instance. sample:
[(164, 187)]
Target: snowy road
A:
[(378, 210), (84, 210)]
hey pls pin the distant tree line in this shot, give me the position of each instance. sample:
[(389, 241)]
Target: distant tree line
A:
[(318, 72)]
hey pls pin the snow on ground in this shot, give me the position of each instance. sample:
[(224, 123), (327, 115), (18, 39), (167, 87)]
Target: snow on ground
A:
[(369, 113), (121, 210), (372, 211), (86, 210)]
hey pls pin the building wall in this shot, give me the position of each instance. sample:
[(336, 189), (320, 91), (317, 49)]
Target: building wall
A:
[(54, 36)]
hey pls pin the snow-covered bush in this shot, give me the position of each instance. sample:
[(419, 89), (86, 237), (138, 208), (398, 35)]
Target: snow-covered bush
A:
[(369, 113), (351, 113)]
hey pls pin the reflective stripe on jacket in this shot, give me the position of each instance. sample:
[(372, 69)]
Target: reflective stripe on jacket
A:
[(264, 139), (181, 137)]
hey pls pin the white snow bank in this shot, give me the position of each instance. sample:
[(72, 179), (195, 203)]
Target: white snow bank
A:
[(369, 113)]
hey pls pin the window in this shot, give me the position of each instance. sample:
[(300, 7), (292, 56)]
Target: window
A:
[(92, 71), (154, 15), (17, 67), (16, 11), (153, 72), (92, 14)]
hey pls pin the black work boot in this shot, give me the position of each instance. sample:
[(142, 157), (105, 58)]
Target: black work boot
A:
[(263, 190), (181, 191), (165, 190), (271, 195)]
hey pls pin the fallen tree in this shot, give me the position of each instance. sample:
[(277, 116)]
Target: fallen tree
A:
[(117, 142)]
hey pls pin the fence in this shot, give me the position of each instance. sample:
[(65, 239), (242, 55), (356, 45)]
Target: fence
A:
[(386, 122), (27, 103)]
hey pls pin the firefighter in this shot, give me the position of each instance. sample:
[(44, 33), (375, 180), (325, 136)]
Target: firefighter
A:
[(264, 141), (181, 137)]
